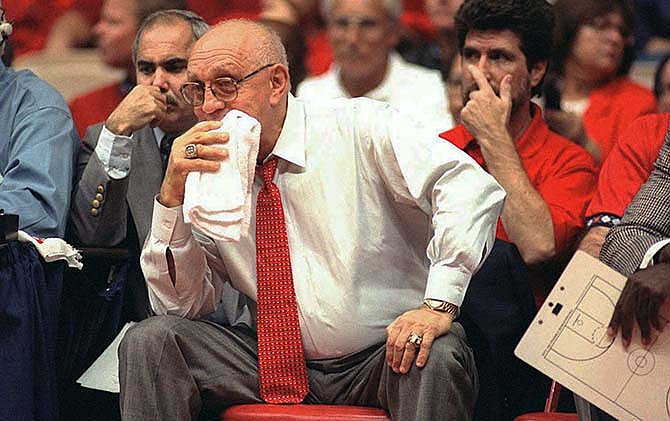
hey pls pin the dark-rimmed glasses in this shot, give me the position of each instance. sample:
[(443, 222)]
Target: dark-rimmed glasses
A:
[(223, 88)]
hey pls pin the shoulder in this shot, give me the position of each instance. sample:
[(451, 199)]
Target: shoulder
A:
[(626, 91), (314, 85), (34, 93)]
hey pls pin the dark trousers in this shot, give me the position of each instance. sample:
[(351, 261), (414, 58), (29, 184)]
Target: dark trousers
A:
[(29, 306), (498, 308)]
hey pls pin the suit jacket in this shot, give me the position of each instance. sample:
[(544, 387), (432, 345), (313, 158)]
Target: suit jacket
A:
[(646, 220), (106, 226)]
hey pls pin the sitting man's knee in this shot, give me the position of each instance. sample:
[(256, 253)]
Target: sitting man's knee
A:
[(148, 333)]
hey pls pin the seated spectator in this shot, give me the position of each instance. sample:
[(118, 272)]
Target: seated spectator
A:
[(438, 51), (626, 168), (115, 31), (329, 162), (662, 85), (37, 159), (638, 248), (363, 35), (505, 49), (593, 52)]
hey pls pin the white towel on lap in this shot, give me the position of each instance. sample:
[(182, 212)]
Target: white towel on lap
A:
[(219, 204)]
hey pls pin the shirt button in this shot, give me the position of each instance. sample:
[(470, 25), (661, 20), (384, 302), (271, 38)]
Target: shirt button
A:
[(94, 212), (101, 188), (99, 197), (95, 203), (124, 155)]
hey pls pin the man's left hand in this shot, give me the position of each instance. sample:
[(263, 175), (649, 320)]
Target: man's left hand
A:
[(427, 324), (641, 301)]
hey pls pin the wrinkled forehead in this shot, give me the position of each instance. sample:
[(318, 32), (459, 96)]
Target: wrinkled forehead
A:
[(222, 50)]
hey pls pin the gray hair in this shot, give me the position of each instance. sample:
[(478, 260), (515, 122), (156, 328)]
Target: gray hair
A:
[(198, 26), (393, 8)]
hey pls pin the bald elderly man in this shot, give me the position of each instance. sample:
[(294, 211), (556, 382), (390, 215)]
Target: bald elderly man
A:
[(367, 231)]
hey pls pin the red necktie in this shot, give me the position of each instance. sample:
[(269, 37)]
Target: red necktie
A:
[(281, 362)]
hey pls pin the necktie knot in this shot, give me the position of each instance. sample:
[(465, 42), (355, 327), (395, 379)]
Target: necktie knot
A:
[(267, 171)]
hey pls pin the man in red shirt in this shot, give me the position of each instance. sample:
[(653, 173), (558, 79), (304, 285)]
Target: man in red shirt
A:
[(627, 167), (548, 179)]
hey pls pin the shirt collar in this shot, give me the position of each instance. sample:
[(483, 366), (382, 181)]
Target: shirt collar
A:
[(158, 133), (290, 145)]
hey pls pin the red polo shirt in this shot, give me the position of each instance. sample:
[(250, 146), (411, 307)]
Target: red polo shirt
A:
[(628, 165), (563, 173), (612, 107)]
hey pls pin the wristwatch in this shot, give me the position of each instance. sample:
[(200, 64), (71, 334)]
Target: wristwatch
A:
[(442, 306)]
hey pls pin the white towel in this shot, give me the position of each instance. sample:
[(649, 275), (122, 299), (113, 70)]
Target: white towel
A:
[(219, 204), (52, 249)]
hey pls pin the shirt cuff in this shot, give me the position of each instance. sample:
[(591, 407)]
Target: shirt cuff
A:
[(168, 224), (648, 259), (447, 284), (114, 152)]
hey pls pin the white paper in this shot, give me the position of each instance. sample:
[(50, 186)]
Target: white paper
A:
[(568, 342), (103, 374)]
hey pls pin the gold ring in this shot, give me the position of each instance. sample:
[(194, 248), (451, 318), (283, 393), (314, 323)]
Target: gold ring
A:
[(415, 339), (191, 151)]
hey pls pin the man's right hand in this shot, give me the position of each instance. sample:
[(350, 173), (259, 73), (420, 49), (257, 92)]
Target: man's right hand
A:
[(144, 105), (641, 300), (208, 160)]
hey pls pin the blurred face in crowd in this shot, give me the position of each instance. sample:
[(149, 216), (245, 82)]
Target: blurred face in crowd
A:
[(162, 57), (442, 12), (362, 36), (453, 86), (599, 45), (664, 97), (498, 53), (116, 31)]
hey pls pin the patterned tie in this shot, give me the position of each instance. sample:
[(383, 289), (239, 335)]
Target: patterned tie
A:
[(281, 362), (166, 147)]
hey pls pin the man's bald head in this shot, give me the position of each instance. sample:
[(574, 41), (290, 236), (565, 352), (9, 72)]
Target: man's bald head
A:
[(252, 40)]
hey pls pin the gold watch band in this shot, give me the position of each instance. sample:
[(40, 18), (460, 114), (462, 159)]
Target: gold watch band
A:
[(442, 306)]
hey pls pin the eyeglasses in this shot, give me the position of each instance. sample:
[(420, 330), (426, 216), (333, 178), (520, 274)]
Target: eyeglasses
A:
[(223, 88)]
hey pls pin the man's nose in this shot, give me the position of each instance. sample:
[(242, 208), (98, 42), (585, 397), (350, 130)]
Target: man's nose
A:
[(210, 103), (160, 79), (485, 66)]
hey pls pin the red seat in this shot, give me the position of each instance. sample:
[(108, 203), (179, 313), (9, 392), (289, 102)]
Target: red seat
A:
[(303, 412), (549, 413)]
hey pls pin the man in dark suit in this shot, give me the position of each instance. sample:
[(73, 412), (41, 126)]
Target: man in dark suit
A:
[(122, 161)]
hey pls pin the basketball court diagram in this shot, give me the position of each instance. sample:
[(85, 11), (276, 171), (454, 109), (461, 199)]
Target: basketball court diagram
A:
[(568, 341)]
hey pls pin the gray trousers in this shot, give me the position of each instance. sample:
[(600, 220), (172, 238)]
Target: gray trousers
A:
[(180, 369)]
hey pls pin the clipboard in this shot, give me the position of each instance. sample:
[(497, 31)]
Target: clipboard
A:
[(568, 342)]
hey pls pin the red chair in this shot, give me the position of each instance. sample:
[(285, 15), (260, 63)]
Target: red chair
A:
[(303, 412), (549, 413)]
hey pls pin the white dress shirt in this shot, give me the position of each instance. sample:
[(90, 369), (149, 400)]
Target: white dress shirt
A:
[(412, 89), (115, 151), (380, 213)]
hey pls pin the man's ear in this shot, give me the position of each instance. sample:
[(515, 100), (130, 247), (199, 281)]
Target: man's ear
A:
[(280, 83), (537, 72)]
